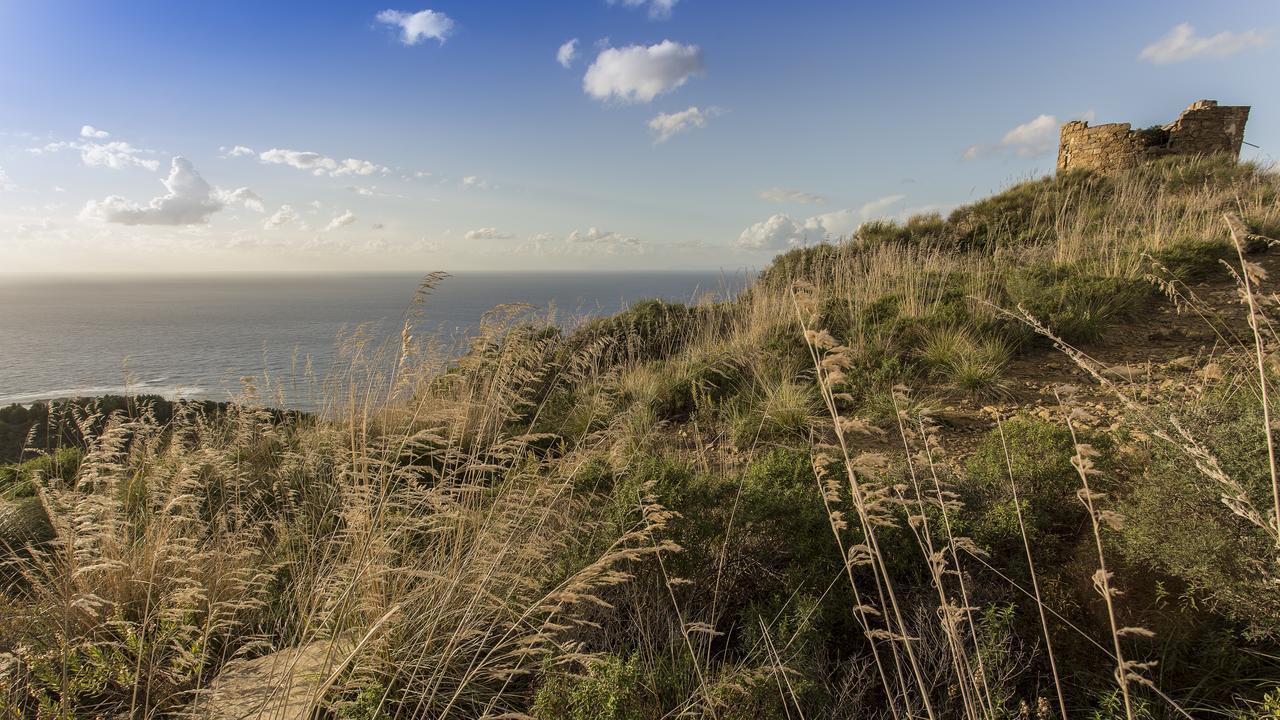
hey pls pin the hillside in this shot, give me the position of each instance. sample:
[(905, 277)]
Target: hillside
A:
[(1014, 461)]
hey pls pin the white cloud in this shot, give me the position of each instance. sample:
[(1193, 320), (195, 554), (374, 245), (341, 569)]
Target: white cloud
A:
[(658, 9), (5, 183), (781, 231), (419, 26), (875, 210), (592, 241), (116, 154), (318, 164), (567, 53), (476, 182), (639, 74), (240, 196), (342, 220), (796, 197), (1182, 43), (1034, 137), (237, 151), (89, 131), (667, 125), (284, 216), (835, 224), (778, 231), (487, 233), (188, 200), (611, 241)]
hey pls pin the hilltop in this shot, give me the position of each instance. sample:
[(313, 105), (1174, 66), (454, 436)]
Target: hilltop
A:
[(962, 466)]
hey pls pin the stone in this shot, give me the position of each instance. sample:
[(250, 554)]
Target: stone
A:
[(1126, 373), (283, 685), (1212, 371)]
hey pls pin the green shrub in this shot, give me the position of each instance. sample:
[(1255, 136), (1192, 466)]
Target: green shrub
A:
[(17, 481), (1040, 455), (1176, 521), (1154, 136), (1078, 308), (613, 689), (1194, 259)]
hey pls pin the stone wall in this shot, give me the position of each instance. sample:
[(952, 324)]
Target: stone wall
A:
[(1204, 128)]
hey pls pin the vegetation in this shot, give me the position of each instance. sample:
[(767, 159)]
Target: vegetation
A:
[(891, 480)]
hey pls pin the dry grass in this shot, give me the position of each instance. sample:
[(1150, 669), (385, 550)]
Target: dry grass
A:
[(481, 537)]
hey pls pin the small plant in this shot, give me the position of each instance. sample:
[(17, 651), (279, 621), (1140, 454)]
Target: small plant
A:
[(610, 689), (968, 361)]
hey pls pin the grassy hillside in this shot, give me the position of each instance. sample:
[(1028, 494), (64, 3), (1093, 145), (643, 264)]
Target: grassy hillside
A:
[(1010, 462)]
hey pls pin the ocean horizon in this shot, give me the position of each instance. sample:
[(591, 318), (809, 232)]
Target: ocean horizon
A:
[(196, 335)]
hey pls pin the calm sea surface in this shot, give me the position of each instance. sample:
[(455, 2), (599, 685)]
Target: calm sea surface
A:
[(197, 336)]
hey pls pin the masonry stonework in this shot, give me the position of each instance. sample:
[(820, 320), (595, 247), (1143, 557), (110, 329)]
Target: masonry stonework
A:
[(1204, 128)]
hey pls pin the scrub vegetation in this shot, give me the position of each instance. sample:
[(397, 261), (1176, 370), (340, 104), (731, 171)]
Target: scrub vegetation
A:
[(1017, 461)]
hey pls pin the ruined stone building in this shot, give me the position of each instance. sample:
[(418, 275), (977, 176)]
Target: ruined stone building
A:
[(1205, 128)]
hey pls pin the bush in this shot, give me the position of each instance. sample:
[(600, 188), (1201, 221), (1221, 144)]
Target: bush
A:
[(17, 481), (1176, 521), (1078, 308), (1194, 259), (1040, 455), (613, 689)]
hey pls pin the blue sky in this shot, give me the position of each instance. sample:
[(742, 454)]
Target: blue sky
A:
[(701, 134)]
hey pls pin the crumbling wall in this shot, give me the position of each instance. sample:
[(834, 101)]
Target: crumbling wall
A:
[(1204, 128)]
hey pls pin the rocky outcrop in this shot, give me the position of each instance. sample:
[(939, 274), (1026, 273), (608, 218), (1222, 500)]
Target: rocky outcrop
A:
[(285, 685)]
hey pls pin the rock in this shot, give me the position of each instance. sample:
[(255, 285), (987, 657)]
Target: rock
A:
[(1126, 373), (1212, 371), (283, 685)]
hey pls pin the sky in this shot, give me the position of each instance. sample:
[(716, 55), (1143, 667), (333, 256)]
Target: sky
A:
[(464, 135)]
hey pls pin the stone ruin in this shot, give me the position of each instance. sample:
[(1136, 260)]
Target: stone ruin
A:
[(1205, 128)]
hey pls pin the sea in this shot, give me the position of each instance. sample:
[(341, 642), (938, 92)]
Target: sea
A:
[(198, 336)]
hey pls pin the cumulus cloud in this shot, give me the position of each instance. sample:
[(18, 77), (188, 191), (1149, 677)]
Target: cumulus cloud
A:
[(240, 196), (667, 125), (342, 220), (321, 165), (1182, 43), (658, 9), (5, 183), (89, 131), (237, 151), (781, 231), (793, 197), (284, 216), (1034, 137), (778, 231), (639, 74), (188, 200), (487, 233), (116, 154), (567, 53), (418, 26), (477, 183)]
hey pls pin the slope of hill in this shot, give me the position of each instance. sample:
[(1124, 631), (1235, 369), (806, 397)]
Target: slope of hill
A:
[(1017, 461)]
